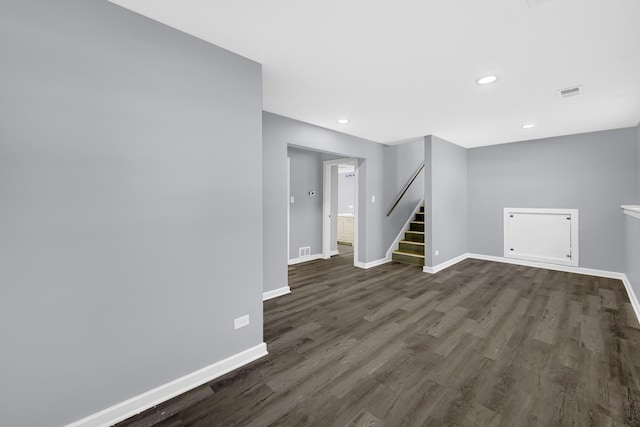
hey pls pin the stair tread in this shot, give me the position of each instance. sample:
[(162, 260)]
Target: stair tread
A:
[(401, 252), (417, 222), (413, 231), (411, 242)]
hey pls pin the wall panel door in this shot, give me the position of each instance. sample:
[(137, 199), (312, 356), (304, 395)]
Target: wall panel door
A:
[(543, 235)]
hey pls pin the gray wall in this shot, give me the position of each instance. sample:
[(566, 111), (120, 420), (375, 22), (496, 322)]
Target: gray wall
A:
[(632, 234), (400, 163), (306, 211), (638, 153), (375, 229), (593, 172), (123, 212), (632, 252), (346, 192), (448, 207)]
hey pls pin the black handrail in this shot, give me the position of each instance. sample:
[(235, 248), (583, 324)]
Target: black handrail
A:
[(406, 187)]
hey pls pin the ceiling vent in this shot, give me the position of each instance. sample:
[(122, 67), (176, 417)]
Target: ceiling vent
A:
[(570, 91)]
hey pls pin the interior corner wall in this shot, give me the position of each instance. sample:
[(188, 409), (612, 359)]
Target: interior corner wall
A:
[(400, 164), (278, 132), (632, 252), (638, 163), (446, 221), (123, 207), (305, 214), (592, 172), (428, 201), (632, 234)]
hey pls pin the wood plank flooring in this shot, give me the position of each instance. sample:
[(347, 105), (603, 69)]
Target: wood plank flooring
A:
[(478, 344)]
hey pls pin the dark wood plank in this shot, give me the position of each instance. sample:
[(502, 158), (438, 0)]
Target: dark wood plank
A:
[(478, 344)]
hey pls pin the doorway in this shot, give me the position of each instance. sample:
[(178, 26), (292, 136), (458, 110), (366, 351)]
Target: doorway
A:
[(340, 208)]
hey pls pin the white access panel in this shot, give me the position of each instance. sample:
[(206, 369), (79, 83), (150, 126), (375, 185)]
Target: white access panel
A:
[(543, 235)]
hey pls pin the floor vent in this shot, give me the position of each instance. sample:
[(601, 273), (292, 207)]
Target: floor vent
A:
[(304, 251)]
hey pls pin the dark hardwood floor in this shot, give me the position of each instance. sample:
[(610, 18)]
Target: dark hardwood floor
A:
[(478, 344)]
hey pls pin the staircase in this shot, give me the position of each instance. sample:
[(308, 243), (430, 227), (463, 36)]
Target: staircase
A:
[(411, 250)]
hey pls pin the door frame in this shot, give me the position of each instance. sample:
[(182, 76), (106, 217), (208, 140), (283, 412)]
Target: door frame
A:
[(326, 206)]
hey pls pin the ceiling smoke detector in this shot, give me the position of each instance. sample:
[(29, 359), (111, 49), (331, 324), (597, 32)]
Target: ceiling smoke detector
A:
[(570, 91)]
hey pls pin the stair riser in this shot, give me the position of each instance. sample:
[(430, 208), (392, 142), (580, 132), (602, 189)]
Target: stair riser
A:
[(421, 208), (416, 227), (414, 237), (408, 247), (407, 259), (420, 216)]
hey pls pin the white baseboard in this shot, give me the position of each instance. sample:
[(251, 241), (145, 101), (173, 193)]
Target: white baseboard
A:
[(336, 252), (144, 401), (445, 264), (276, 293), (396, 243), (555, 267), (305, 259), (367, 265), (569, 269), (565, 268)]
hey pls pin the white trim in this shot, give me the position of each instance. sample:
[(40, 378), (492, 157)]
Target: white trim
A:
[(632, 296), (288, 207), (446, 264), (631, 210), (565, 268), (144, 401), (396, 243), (326, 206), (555, 267), (367, 265), (333, 253), (276, 293), (574, 230), (305, 259)]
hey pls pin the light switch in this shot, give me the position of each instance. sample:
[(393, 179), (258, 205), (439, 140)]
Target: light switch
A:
[(292, 199), (373, 199)]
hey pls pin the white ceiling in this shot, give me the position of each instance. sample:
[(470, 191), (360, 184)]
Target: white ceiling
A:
[(407, 68)]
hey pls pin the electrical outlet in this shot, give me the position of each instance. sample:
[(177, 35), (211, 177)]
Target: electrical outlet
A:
[(437, 252), (293, 199), (373, 199), (241, 322)]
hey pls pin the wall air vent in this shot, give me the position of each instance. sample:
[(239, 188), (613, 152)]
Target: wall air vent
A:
[(570, 91)]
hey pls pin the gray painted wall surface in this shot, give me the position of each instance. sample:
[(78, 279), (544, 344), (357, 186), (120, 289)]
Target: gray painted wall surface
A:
[(593, 172), (306, 211), (123, 213), (278, 132), (375, 229), (638, 153), (346, 192), (632, 252), (400, 163), (448, 206)]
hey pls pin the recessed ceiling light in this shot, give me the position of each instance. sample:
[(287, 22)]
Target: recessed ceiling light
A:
[(343, 121), (528, 126), (487, 79)]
